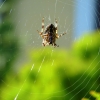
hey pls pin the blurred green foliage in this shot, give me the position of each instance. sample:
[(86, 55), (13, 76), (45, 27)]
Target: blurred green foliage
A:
[(96, 95), (8, 42), (55, 74)]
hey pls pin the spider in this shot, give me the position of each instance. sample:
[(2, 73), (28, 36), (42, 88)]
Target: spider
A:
[(50, 34)]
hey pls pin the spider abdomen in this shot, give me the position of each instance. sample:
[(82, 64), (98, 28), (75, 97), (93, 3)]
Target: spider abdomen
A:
[(51, 38)]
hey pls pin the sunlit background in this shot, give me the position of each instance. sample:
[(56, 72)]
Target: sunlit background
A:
[(29, 71)]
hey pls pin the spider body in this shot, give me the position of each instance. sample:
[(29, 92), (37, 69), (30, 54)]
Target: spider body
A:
[(50, 34)]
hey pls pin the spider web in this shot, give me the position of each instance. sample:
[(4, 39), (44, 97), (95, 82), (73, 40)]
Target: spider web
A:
[(28, 18)]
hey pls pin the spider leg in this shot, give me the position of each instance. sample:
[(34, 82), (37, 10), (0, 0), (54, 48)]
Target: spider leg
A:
[(58, 36), (55, 45), (56, 24), (41, 34), (42, 30), (43, 44)]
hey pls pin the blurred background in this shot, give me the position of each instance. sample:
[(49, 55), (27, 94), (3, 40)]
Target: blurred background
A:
[(29, 71)]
